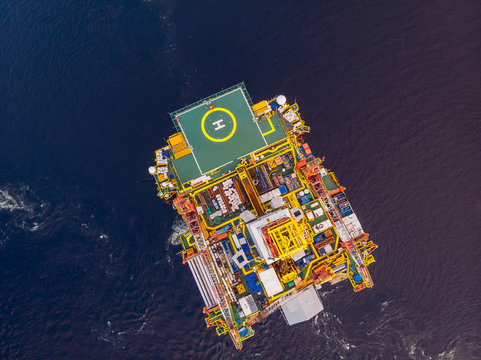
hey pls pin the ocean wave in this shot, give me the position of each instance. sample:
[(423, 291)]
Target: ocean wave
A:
[(119, 332), (393, 333), (447, 355), (23, 209)]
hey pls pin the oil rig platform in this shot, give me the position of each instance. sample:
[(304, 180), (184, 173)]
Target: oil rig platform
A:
[(268, 223)]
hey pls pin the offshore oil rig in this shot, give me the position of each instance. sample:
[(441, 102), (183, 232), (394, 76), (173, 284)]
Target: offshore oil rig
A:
[(268, 223)]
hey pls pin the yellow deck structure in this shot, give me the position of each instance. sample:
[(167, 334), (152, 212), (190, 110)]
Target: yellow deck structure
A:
[(288, 237)]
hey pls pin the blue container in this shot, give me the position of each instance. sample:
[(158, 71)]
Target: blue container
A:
[(251, 280), (246, 248), (243, 331)]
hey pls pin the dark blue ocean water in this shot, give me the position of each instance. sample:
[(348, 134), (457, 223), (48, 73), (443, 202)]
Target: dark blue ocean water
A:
[(392, 92)]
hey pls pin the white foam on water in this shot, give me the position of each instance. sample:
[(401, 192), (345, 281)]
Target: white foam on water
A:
[(118, 334), (178, 228), (21, 208), (447, 355), (13, 202)]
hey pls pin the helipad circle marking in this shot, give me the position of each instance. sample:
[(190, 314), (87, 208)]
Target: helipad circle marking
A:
[(234, 124)]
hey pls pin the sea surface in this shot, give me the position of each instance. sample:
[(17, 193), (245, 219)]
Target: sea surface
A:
[(392, 92)]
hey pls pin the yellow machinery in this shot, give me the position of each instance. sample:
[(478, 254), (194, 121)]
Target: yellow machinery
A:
[(261, 108), (241, 289), (178, 145), (287, 236)]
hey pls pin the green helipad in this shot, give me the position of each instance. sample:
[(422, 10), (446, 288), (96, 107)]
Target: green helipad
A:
[(219, 130)]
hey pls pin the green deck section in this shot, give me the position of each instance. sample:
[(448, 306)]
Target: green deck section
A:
[(220, 130), (209, 98), (186, 168), (313, 205), (272, 129), (329, 184), (185, 241)]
